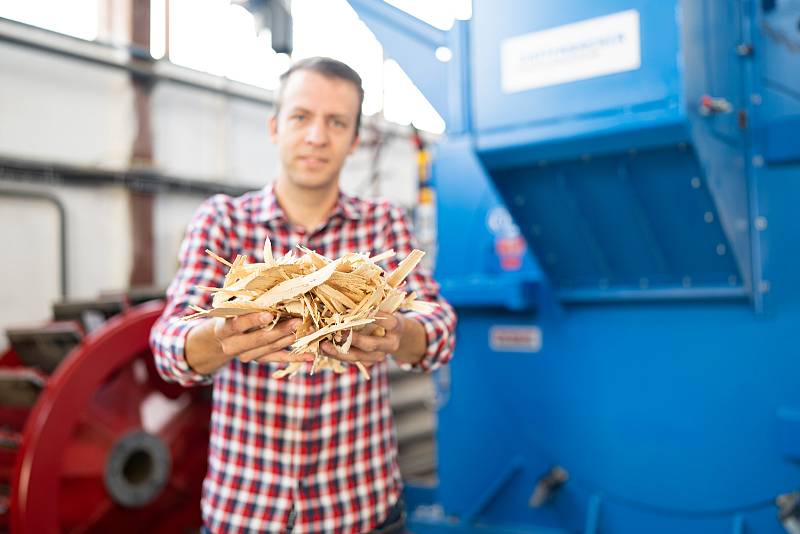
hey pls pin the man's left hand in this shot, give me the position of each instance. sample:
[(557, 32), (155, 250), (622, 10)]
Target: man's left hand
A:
[(368, 348)]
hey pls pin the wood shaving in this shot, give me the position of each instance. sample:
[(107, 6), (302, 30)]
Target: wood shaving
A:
[(333, 298)]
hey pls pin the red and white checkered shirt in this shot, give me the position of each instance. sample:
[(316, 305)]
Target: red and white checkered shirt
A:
[(320, 449)]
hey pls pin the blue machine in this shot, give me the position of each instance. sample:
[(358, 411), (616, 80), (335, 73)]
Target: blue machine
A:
[(619, 192)]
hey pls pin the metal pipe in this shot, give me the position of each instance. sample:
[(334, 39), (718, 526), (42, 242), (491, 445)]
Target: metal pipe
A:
[(62, 217), (141, 66), (135, 180)]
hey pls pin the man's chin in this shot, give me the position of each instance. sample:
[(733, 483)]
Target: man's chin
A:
[(312, 182)]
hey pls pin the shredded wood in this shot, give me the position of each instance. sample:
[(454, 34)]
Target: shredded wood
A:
[(332, 297)]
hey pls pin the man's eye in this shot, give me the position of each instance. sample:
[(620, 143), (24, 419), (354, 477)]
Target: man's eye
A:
[(298, 117), (338, 123)]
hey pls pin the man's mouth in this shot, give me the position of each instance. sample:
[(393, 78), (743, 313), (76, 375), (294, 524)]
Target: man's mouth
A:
[(312, 161)]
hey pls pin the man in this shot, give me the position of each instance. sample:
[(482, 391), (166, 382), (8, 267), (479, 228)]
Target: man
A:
[(314, 453)]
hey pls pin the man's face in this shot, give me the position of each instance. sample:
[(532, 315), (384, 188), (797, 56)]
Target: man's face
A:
[(315, 128)]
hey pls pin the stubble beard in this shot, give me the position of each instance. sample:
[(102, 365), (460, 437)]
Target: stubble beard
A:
[(309, 182)]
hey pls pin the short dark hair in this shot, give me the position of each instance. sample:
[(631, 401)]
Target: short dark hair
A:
[(328, 67)]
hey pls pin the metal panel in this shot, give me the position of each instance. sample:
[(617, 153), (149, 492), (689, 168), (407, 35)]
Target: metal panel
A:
[(643, 220), (655, 85)]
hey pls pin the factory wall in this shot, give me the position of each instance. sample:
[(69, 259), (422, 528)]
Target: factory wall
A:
[(59, 110)]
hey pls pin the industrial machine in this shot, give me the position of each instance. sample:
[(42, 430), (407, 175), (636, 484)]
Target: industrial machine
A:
[(617, 229), (91, 438)]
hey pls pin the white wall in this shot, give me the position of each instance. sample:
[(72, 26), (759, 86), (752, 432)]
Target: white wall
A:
[(99, 254), (30, 286), (63, 110), (211, 137)]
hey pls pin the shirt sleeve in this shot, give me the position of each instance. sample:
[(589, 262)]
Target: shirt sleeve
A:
[(440, 324), (208, 229)]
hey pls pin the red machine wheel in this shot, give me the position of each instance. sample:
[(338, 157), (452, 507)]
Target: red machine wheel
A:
[(110, 447)]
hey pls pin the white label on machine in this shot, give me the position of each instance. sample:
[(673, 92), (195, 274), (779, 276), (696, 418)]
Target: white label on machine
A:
[(515, 338), (577, 51)]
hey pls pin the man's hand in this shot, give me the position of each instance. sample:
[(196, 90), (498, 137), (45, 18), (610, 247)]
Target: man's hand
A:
[(368, 348), (214, 343), (249, 337)]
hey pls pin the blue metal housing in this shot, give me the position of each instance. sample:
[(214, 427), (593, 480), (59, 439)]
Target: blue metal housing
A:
[(659, 271)]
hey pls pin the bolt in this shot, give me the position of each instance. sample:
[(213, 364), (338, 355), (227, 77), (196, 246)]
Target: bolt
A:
[(708, 217), (695, 182), (761, 223)]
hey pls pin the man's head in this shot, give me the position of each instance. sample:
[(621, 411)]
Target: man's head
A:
[(316, 120)]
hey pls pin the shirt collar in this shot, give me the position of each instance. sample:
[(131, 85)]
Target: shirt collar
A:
[(347, 207)]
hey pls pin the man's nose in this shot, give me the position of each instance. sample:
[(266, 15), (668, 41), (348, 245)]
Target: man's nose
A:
[(317, 134)]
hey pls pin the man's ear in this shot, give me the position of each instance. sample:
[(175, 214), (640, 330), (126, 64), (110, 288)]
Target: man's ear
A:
[(354, 145), (272, 126)]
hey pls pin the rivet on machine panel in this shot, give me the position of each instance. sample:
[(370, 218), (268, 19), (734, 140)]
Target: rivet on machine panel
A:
[(755, 98), (708, 217), (687, 281), (758, 161), (764, 286), (720, 249), (744, 49), (695, 182), (761, 223)]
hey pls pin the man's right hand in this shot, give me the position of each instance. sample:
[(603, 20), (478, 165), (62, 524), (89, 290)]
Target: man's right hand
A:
[(249, 337)]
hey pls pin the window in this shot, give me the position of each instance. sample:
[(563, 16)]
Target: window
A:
[(78, 18)]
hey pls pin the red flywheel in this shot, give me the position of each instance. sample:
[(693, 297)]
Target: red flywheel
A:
[(108, 445)]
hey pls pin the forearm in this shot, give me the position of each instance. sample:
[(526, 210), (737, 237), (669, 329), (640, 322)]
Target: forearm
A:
[(204, 353), (413, 342)]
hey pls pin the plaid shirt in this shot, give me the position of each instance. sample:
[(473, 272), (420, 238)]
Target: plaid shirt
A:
[(317, 451)]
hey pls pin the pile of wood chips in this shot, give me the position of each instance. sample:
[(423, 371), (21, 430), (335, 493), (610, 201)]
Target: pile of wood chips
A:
[(332, 297)]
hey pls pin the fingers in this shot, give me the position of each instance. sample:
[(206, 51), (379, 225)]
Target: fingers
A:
[(284, 356), (262, 349), (275, 339), (353, 355), (388, 343), (388, 321), (241, 324)]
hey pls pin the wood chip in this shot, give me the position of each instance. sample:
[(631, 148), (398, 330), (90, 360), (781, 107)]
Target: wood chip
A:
[(334, 298)]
